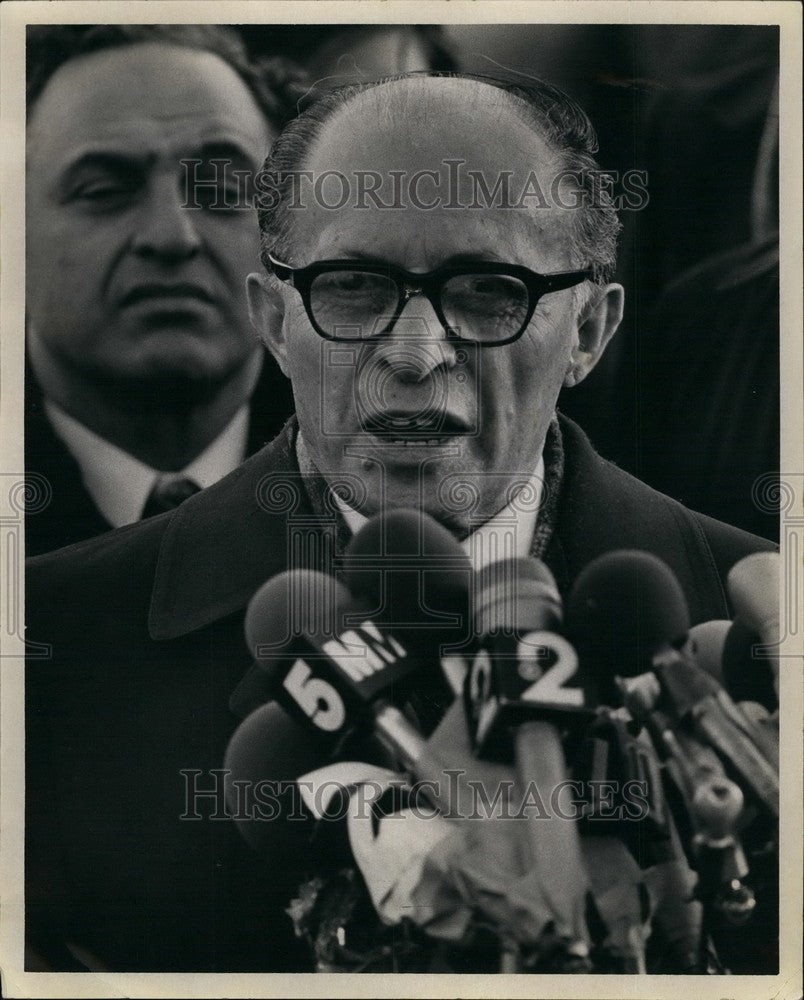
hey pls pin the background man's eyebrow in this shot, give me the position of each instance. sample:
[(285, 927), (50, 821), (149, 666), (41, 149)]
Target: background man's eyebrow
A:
[(223, 150), (120, 164)]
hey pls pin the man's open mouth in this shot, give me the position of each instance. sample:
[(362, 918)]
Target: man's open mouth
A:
[(411, 429)]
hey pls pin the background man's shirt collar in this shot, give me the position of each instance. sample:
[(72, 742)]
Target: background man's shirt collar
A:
[(119, 484)]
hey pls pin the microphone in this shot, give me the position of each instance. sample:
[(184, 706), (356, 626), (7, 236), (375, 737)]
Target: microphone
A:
[(524, 667), (717, 807), (745, 677), (625, 606), (292, 807), (266, 754), (697, 700), (521, 686), (625, 609), (697, 730), (753, 586), (326, 672), (412, 578), (725, 650), (640, 590), (744, 658), (410, 573), (707, 640), (282, 620)]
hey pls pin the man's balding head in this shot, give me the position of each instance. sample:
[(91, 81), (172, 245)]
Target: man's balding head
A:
[(454, 381), (477, 104)]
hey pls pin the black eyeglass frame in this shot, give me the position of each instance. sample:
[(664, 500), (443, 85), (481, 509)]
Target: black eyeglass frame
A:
[(429, 283)]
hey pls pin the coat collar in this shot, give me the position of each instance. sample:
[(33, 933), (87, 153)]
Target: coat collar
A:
[(222, 544)]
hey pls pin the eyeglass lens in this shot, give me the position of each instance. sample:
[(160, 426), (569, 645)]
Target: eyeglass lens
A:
[(478, 307)]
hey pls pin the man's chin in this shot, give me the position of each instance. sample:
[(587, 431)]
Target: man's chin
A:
[(438, 481), (175, 383), (184, 369), (397, 500), (452, 507)]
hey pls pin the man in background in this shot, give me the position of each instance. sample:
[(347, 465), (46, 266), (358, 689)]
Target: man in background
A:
[(146, 381)]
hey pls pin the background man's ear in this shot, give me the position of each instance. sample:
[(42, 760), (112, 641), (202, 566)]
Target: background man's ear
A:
[(266, 309), (597, 324)]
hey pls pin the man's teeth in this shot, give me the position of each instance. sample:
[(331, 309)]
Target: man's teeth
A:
[(414, 442)]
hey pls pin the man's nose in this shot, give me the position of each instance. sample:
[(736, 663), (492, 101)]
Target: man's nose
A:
[(417, 346), (166, 229)]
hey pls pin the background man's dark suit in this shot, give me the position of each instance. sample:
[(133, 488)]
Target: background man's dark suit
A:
[(149, 648), (71, 515)]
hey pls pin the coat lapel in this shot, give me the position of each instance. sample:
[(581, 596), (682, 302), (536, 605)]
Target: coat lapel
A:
[(225, 542)]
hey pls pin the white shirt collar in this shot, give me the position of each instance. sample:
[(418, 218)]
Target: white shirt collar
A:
[(119, 484), (508, 535)]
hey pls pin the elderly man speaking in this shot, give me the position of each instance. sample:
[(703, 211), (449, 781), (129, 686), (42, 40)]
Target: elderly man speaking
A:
[(438, 260)]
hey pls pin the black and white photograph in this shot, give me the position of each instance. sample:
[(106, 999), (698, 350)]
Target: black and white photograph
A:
[(402, 499)]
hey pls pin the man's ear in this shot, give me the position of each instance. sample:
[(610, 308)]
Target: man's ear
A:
[(266, 310), (597, 324)]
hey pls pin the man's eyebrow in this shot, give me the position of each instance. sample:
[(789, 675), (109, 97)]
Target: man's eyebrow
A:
[(474, 257), (124, 162), (111, 163), (347, 253), (464, 257)]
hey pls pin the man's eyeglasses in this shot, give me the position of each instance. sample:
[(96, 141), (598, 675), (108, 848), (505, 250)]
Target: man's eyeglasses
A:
[(479, 302)]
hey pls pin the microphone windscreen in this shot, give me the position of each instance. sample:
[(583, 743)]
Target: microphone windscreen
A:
[(267, 753), (408, 569), (753, 586), (708, 640), (280, 778), (287, 613), (298, 603), (624, 607), (745, 676), (517, 595)]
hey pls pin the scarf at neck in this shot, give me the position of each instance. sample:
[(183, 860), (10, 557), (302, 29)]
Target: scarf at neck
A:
[(323, 504)]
